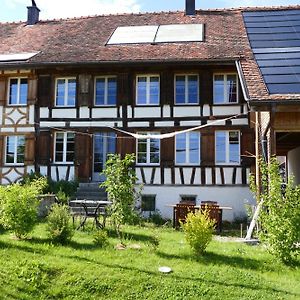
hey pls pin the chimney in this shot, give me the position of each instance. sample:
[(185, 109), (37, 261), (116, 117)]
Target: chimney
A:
[(32, 14), (190, 9)]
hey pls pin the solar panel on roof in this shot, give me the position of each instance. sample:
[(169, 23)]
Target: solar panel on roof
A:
[(157, 34), (180, 32), (275, 40), (16, 56), (133, 35)]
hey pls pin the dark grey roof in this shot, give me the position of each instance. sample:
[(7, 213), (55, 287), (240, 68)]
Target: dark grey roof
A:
[(275, 41)]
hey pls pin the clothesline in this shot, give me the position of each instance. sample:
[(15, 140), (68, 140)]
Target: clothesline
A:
[(149, 135)]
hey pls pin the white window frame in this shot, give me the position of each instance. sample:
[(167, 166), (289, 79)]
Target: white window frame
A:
[(147, 163), (187, 149), (186, 89), (148, 76), (18, 92), (105, 90), (66, 91), (227, 153), (225, 91), (14, 163), (64, 148)]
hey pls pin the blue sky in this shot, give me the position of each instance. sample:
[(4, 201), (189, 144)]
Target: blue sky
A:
[(15, 10)]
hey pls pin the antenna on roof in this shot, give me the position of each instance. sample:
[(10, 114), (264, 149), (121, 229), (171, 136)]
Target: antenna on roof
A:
[(32, 13)]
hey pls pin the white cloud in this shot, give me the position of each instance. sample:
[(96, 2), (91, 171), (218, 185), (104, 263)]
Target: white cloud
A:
[(51, 9)]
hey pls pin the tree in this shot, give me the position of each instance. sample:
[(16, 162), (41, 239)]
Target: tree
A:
[(120, 186), (280, 214)]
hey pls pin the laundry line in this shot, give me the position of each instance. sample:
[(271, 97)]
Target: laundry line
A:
[(174, 133), (140, 136)]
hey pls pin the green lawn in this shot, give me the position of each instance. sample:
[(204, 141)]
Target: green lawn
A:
[(35, 269)]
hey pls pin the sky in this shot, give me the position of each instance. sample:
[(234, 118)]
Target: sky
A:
[(15, 10)]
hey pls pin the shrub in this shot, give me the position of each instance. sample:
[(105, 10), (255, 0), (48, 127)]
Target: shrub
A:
[(280, 214), (156, 218), (198, 230), (62, 197), (59, 227), (69, 188), (101, 238), (19, 206)]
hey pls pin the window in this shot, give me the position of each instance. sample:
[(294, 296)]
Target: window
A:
[(186, 89), (15, 149), (227, 147), (105, 91), (188, 199), (147, 90), (65, 92), (148, 203), (18, 88), (64, 147), (225, 88), (188, 148), (148, 150)]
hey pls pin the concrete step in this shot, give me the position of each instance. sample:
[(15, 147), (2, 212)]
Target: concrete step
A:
[(89, 184), (90, 191)]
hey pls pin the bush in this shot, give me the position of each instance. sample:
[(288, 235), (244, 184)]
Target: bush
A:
[(59, 227), (19, 206), (65, 190), (68, 188), (101, 238), (198, 230), (280, 214), (156, 218), (62, 197)]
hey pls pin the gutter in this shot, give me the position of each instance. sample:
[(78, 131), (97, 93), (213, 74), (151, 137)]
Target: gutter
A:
[(97, 63)]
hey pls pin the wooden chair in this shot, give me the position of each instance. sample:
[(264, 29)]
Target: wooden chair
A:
[(214, 212), (180, 213)]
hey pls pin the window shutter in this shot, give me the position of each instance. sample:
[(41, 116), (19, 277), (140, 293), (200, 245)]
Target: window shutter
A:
[(206, 87), (125, 88), (44, 148), (83, 156), (167, 150), (85, 91), (2, 149), (45, 91), (3, 89), (126, 144), (247, 147), (32, 89), (167, 88), (29, 149), (207, 148)]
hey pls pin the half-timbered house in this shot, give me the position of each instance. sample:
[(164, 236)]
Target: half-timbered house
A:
[(68, 86)]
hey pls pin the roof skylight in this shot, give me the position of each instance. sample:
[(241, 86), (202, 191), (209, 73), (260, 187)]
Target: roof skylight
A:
[(17, 56)]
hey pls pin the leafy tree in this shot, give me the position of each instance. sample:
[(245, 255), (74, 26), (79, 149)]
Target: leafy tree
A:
[(18, 206), (280, 215), (120, 186)]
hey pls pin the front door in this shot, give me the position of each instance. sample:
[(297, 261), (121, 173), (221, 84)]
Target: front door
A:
[(104, 144)]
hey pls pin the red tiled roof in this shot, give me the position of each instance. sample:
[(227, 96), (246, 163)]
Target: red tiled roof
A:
[(84, 39)]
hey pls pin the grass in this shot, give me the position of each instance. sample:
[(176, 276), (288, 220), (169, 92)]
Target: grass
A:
[(36, 269)]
